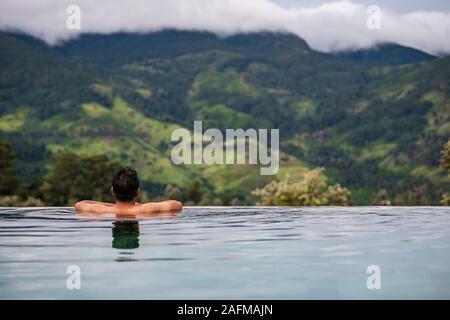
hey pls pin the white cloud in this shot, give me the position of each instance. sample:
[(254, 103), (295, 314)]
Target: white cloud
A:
[(327, 27)]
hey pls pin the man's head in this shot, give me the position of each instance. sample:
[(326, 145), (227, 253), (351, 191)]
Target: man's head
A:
[(125, 184)]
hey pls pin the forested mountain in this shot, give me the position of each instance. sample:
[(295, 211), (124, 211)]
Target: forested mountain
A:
[(375, 119), (385, 54)]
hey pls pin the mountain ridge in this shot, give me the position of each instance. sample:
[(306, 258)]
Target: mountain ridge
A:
[(385, 54), (328, 109)]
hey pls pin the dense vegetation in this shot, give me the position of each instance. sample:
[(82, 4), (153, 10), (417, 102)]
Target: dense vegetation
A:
[(445, 161), (376, 121), (310, 190)]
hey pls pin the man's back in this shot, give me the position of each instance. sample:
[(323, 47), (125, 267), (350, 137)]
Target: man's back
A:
[(125, 187)]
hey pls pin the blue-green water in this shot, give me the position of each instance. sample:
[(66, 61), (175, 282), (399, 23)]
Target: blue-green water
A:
[(228, 253)]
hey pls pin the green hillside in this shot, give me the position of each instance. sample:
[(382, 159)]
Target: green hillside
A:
[(377, 122)]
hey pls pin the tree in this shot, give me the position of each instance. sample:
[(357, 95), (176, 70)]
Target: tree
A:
[(195, 192), (445, 157), (8, 178), (75, 178), (445, 163), (173, 193), (310, 190), (418, 196), (382, 198), (445, 201), (16, 201)]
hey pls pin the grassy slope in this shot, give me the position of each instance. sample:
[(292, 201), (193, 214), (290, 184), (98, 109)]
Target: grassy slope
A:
[(126, 107)]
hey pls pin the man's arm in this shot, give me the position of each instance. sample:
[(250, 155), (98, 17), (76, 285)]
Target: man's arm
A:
[(93, 206), (169, 205)]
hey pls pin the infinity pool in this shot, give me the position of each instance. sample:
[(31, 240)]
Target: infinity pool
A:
[(227, 253)]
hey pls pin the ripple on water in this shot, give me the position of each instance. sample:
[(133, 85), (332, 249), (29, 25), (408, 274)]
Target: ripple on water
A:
[(237, 252)]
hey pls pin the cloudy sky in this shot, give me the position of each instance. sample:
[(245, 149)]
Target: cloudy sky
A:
[(326, 25), (398, 6)]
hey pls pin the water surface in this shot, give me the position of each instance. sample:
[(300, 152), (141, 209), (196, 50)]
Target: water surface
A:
[(227, 253)]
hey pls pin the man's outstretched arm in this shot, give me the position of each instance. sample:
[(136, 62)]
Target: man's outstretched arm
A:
[(169, 205), (93, 206)]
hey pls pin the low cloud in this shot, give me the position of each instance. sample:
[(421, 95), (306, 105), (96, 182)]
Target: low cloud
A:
[(328, 27)]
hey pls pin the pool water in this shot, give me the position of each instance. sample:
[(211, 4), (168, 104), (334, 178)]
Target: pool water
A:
[(227, 253)]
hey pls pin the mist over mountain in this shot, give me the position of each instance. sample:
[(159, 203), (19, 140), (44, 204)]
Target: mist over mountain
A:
[(375, 119), (327, 26)]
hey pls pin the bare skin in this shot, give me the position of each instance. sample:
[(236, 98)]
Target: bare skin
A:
[(132, 207), (85, 215)]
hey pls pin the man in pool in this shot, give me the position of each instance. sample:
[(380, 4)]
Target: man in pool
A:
[(125, 188)]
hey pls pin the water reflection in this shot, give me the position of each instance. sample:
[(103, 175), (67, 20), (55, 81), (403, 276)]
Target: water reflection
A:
[(125, 228), (125, 234), (326, 254)]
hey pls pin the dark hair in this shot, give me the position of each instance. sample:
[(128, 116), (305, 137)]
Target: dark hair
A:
[(125, 184)]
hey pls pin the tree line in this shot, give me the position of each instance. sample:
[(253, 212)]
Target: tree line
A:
[(73, 177)]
